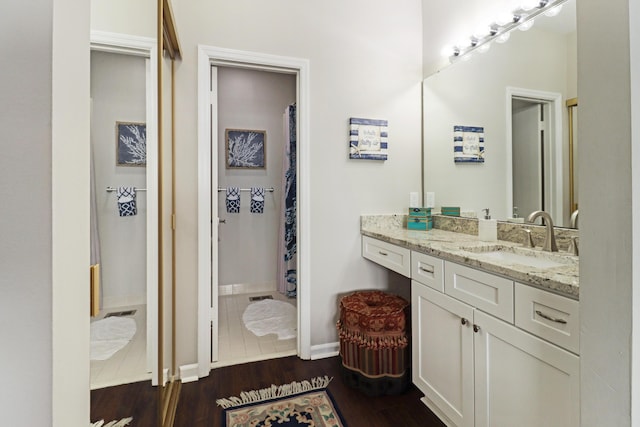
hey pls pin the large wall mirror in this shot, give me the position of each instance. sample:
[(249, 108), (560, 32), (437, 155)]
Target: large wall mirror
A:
[(517, 92), (133, 254)]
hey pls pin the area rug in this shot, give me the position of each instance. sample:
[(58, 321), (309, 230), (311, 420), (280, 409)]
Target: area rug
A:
[(123, 422), (109, 335), (271, 317), (304, 403)]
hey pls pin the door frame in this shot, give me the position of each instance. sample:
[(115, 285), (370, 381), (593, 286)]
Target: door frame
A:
[(144, 47), (208, 211), (554, 99)]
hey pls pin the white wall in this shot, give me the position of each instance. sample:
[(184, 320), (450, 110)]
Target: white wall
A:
[(358, 69), (25, 253), (44, 253), (251, 99), (70, 213), (118, 91), (608, 134), (473, 93), (136, 18)]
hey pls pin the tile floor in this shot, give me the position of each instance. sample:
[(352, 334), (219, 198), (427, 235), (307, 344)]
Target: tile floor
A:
[(237, 344), (130, 363)]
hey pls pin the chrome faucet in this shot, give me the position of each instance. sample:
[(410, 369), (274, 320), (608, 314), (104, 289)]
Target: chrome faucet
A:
[(549, 237), (574, 219), (573, 245)]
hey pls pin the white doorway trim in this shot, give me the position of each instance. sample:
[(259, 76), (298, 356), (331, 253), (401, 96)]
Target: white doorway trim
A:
[(207, 213), (555, 100), (144, 47)]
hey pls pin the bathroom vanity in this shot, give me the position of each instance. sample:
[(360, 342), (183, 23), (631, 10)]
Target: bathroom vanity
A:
[(495, 338)]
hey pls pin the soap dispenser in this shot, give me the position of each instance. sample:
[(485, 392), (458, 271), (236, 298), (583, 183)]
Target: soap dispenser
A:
[(487, 228)]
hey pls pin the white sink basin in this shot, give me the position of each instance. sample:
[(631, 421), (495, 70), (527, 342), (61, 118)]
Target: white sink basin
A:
[(524, 257)]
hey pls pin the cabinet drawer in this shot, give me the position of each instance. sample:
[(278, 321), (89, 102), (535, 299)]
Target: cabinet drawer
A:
[(390, 256), (549, 316), (489, 293), (427, 270)]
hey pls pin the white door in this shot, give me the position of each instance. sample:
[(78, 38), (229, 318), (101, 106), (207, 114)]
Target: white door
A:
[(527, 152), (442, 353), (521, 380), (214, 214)]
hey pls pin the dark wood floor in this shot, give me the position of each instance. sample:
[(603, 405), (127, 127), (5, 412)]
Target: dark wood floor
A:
[(197, 406)]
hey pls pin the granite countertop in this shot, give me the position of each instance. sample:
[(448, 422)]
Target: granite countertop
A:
[(467, 249)]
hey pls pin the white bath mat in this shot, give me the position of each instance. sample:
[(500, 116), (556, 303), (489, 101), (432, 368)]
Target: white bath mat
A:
[(271, 317), (109, 335)]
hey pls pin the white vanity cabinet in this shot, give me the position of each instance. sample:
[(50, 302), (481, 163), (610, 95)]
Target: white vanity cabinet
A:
[(478, 369)]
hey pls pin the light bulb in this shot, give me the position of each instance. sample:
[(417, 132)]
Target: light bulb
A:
[(554, 10), (482, 31), (526, 25), (447, 51), (504, 18), (463, 43), (485, 47), (529, 4), (503, 37)]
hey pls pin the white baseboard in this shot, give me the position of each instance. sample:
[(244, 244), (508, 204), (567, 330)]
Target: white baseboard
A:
[(188, 373), (323, 351)]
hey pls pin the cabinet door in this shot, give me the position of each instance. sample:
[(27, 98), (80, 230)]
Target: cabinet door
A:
[(521, 380), (442, 353)]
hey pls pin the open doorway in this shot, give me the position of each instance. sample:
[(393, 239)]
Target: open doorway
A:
[(535, 152), (255, 189), (208, 199), (125, 246)]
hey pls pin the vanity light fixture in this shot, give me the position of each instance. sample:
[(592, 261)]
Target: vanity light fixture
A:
[(522, 18)]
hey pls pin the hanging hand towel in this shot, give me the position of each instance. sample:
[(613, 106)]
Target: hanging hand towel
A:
[(127, 201), (257, 200), (233, 200)]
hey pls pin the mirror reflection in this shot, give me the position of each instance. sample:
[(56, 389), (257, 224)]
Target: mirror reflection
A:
[(516, 92)]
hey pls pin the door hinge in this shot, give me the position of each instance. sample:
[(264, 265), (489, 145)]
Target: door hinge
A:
[(173, 221)]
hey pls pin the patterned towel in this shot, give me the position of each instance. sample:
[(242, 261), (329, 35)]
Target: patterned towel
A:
[(126, 201), (257, 200), (233, 200)]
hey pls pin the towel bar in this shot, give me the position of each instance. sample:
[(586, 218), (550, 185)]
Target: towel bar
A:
[(112, 189), (268, 190)]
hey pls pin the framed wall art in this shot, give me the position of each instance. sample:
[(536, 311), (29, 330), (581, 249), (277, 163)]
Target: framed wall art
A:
[(245, 149), (131, 144), (368, 139), (468, 144)]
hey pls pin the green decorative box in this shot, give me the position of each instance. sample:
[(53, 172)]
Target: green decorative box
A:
[(420, 212), (417, 223), (450, 211)]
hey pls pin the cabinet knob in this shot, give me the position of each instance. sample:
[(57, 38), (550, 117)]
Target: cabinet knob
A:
[(476, 328), (464, 321)]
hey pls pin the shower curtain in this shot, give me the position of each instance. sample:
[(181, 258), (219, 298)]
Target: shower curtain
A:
[(287, 261)]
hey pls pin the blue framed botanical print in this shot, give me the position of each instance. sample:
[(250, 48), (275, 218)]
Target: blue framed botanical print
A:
[(368, 139), (468, 144), (245, 149), (131, 144)]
